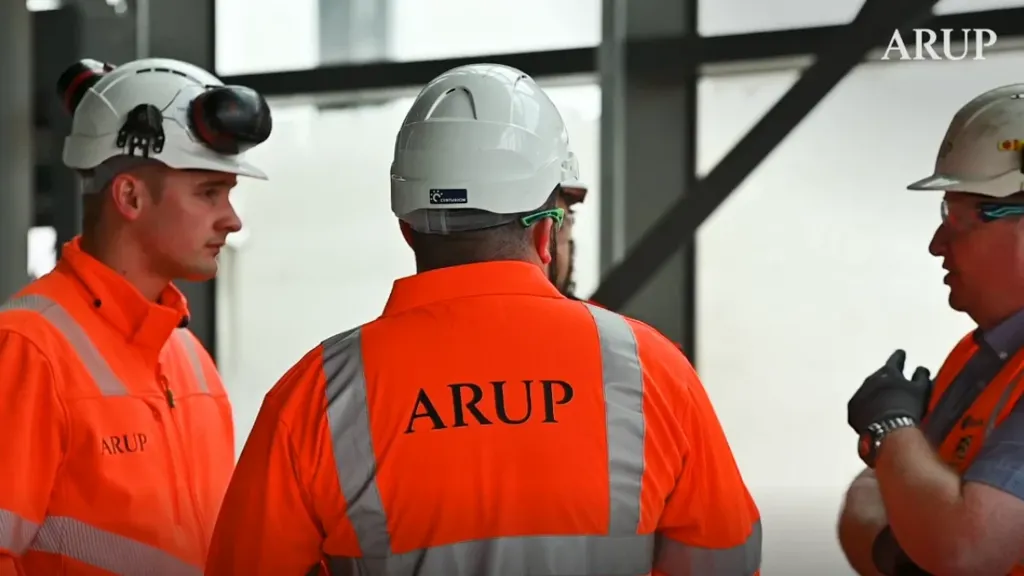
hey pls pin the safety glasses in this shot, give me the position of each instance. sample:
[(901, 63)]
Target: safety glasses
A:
[(556, 214), (986, 212)]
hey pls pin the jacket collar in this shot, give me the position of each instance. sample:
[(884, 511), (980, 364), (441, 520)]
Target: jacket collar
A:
[(483, 279), (120, 304)]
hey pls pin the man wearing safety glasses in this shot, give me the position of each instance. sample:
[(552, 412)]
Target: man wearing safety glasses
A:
[(944, 489), (562, 266)]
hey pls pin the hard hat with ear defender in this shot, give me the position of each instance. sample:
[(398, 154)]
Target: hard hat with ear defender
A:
[(983, 149), (162, 109)]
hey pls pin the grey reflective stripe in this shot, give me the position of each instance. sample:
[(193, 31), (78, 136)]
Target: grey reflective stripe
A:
[(620, 551), (97, 366), (349, 419), (678, 559), (89, 545), (16, 533), (191, 348), (513, 556), (624, 418)]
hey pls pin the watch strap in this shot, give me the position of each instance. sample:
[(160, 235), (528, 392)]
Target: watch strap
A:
[(882, 428)]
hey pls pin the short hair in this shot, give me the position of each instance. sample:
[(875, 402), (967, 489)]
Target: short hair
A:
[(509, 241), (93, 200)]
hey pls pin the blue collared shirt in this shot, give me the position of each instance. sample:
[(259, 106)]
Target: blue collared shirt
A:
[(1000, 462)]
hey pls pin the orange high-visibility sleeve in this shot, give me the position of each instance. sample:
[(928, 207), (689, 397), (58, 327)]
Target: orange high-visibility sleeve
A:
[(710, 523), (33, 420), (267, 524)]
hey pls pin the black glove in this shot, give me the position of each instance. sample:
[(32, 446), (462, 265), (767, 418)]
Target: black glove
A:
[(888, 394)]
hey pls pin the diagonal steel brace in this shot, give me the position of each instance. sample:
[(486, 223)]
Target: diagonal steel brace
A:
[(873, 25)]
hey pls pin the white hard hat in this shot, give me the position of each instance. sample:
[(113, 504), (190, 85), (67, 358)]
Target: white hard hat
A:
[(161, 109), (481, 137), (983, 148)]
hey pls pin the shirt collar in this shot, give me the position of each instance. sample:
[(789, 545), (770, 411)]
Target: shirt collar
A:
[(483, 279), (1007, 337), (119, 302)]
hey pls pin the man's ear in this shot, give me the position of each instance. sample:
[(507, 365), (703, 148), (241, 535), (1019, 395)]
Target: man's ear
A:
[(541, 233), (128, 193)]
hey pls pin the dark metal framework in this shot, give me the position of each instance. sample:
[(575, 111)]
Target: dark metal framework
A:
[(646, 56), (836, 51)]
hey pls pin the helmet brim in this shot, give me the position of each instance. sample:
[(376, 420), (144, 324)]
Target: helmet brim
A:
[(937, 182)]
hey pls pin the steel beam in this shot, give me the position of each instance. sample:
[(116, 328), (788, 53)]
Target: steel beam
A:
[(16, 145), (58, 42), (645, 166), (646, 57), (755, 49), (677, 226), (334, 79)]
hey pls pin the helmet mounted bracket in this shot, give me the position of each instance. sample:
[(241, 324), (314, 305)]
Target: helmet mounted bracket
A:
[(142, 132)]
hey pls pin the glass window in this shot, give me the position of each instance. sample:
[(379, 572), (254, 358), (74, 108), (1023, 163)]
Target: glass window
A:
[(321, 248), (741, 16), (456, 28), (817, 268)]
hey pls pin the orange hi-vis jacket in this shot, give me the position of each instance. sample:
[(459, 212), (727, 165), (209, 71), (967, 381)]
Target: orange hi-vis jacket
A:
[(453, 436), (117, 434), (961, 446)]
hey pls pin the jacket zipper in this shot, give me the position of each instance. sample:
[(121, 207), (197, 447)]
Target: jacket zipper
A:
[(189, 480)]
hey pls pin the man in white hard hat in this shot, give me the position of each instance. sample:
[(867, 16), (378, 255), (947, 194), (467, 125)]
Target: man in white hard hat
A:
[(118, 440), (944, 488), (455, 435)]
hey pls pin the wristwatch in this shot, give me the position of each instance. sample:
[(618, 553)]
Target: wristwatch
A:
[(867, 448)]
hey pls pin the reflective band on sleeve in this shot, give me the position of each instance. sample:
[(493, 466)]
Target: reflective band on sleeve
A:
[(16, 533), (349, 419), (92, 360), (678, 559), (621, 551), (194, 359), (100, 549), (534, 555), (89, 545)]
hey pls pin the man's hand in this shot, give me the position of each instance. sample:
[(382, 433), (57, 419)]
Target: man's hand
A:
[(888, 394)]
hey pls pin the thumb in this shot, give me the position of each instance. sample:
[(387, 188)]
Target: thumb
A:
[(921, 375), (897, 360)]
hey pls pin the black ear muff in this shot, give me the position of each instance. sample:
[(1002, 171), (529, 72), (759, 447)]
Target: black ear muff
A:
[(76, 81), (231, 119)]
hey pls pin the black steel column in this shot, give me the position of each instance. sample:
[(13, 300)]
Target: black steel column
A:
[(648, 135), (17, 158)]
